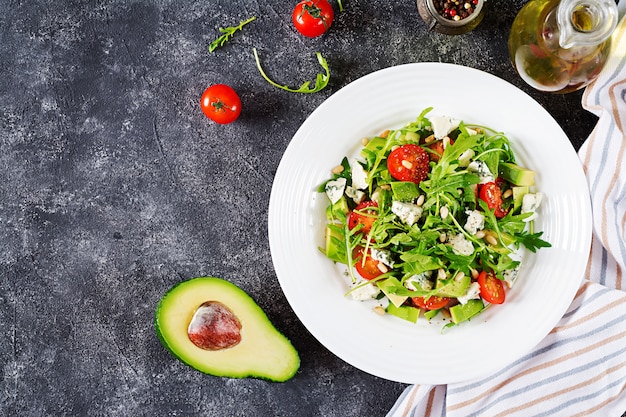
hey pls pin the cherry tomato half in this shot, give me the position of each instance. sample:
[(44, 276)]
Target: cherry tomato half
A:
[(491, 288), (408, 163), (313, 17), (430, 303), (438, 148), (221, 104), (365, 213), (491, 194), (368, 268)]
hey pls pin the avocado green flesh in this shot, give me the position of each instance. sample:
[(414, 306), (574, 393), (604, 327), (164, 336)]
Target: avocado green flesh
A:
[(335, 248), (516, 174), (464, 312), (263, 352)]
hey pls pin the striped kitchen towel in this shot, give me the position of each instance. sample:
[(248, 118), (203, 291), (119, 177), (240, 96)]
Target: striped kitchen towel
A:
[(579, 369)]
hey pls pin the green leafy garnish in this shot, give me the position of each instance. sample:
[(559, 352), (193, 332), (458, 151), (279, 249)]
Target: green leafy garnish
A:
[(227, 33), (340, 5), (321, 81)]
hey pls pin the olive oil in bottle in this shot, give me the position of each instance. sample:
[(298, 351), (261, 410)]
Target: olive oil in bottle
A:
[(561, 46)]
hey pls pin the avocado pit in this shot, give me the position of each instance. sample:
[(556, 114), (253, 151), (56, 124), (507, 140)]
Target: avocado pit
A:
[(214, 327)]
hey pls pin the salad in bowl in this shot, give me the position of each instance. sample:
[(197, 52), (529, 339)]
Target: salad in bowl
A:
[(432, 218)]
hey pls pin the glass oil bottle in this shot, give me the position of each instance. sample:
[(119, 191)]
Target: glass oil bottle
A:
[(560, 46)]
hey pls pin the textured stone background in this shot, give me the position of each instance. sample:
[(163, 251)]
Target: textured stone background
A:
[(114, 187)]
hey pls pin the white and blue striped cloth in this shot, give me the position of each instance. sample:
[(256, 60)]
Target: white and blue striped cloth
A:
[(579, 369)]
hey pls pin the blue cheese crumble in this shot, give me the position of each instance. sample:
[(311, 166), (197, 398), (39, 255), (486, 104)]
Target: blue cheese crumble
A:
[(460, 245), (442, 125), (530, 204), (481, 169), (334, 189), (475, 221), (409, 213), (359, 175), (355, 194), (364, 292), (382, 255), (472, 293)]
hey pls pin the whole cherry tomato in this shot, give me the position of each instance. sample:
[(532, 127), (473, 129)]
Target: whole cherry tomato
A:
[(221, 104), (313, 17)]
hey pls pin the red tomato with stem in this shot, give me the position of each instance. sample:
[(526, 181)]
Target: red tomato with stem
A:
[(313, 17), (430, 303), (221, 104), (491, 194), (408, 163), (365, 214), (365, 265), (491, 288)]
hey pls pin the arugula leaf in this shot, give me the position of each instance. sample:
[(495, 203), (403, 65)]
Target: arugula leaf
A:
[(321, 81), (228, 33), (415, 263), (532, 241)]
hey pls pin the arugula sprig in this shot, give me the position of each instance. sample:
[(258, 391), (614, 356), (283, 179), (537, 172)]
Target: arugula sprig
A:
[(321, 81), (227, 33)]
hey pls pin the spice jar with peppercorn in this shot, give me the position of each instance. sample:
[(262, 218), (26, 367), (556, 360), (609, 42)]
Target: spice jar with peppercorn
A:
[(451, 17)]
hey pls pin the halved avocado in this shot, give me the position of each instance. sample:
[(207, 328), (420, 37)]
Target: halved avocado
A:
[(262, 352)]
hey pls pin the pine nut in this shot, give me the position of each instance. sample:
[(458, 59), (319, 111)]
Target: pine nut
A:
[(379, 310), (459, 276), (338, 169), (446, 142), (441, 273), (365, 141), (508, 193), (420, 200), (474, 273), (442, 237), (384, 134), (382, 267), (407, 164), (491, 240), (429, 139), (444, 212), (446, 313), (479, 234)]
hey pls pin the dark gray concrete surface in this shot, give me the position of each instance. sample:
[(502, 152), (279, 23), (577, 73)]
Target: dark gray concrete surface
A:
[(114, 187)]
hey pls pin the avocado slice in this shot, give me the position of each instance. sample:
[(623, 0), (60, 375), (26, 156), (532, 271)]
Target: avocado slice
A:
[(404, 190), (387, 285), (257, 349), (518, 196), (464, 312), (341, 206), (335, 245), (516, 174), (452, 288)]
